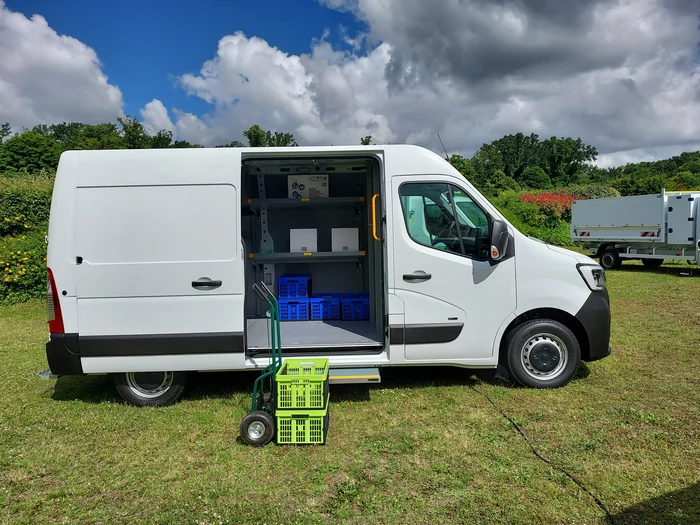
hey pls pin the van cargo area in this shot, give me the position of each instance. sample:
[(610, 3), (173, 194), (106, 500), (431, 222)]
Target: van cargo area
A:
[(306, 224)]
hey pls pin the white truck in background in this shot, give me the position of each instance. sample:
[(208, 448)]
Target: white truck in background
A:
[(650, 228)]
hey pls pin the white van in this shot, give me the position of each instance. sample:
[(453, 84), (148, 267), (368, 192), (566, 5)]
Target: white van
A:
[(152, 255)]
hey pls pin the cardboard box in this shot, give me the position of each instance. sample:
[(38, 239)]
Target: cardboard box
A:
[(344, 240), (307, 186), (305, 240)]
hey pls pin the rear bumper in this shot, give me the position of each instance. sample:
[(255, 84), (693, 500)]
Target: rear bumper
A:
[(62, 355), (594, 316)]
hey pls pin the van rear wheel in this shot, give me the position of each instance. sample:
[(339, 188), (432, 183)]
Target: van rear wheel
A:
[(543, 353), (155, 389)]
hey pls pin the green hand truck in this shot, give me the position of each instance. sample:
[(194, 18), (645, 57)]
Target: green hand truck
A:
[(258, 426)]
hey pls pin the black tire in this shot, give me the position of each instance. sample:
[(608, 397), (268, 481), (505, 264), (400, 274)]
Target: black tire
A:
[(652, 263), (610, 259), (257, 428), (151, 389), (542, 354)]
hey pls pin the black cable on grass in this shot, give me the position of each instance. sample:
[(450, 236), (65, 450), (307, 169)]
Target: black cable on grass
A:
[(547, 461)]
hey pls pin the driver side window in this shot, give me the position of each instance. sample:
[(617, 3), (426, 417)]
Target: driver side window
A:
[(443, 217)]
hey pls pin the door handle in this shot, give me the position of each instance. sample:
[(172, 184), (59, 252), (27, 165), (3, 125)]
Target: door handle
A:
[(204, 283), (418, 275)]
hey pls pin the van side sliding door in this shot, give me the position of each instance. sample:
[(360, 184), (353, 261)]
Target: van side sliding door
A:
[(160, 270)]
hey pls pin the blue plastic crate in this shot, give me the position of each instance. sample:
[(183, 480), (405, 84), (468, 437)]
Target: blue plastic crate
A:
[(355, 306), (325, 306), (293, 286), (294, 309)]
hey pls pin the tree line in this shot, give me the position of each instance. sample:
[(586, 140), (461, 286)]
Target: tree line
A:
[(513, 162)]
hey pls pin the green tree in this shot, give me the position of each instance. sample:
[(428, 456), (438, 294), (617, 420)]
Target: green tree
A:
[(258, 138), (486, 161), (465, 167), (79, 136), (534, 177), (498, 182), (366, 141), (518, 152), (29, 151), (162, 139), (233, 144), (5, 131), (185, 144), (564, 158), (133, 133)]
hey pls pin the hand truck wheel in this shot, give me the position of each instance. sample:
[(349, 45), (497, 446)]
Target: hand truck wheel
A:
[(257, 428)]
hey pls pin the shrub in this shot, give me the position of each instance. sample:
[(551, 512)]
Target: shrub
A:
[(29, 151), (592, 191), (534, 177), (24, 203), (22, 267), (555, 206)]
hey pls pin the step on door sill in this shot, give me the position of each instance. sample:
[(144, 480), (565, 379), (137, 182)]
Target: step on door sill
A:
[(340, 376)]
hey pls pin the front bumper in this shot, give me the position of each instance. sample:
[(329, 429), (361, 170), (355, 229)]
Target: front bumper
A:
[(594, 316), (62, 355)]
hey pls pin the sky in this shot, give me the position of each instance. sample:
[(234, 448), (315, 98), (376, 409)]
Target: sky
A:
[(623, 75)]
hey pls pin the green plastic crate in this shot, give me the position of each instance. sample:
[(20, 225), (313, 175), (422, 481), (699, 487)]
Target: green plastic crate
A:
[(302, 427), (302, 384)]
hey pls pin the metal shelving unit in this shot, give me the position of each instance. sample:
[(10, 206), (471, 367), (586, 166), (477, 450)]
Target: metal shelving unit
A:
[(267, 257)]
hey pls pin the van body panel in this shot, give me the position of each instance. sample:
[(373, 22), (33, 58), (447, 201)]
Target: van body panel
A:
[(160, 315), (548, 278)]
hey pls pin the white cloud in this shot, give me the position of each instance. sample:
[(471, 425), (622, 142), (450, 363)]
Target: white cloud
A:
[(619, 74), (322, 97), (49, 78)]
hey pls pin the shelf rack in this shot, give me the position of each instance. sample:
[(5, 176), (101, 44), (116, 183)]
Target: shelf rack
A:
[(268, 258)]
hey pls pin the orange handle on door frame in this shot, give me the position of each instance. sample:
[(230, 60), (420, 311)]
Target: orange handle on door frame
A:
[(374, 217)]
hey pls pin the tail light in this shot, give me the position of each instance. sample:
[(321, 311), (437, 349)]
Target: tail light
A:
[(53, 306)]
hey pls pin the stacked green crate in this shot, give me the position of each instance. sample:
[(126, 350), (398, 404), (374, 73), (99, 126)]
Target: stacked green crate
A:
[(302, 401)]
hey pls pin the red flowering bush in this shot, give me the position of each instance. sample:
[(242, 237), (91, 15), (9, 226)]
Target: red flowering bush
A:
[(555, 206)]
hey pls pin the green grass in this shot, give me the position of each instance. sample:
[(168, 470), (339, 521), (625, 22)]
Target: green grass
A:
[(422, 447)]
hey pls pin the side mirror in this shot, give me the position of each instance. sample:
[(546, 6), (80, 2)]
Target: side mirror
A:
[(499, 240)]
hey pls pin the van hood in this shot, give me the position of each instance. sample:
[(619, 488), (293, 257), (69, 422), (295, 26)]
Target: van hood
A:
[(578, 257)]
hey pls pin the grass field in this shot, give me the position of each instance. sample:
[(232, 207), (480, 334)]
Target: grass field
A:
[(425, 446)]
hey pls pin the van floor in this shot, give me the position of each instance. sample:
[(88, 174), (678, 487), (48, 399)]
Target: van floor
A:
[(314, 334)]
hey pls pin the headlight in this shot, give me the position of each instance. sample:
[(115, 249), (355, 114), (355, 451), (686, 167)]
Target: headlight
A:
[(594, 276)]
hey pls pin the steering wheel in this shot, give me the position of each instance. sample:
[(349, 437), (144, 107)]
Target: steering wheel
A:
[(449, 231)]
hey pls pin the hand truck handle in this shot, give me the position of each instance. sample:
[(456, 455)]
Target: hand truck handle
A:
[(263, 292)]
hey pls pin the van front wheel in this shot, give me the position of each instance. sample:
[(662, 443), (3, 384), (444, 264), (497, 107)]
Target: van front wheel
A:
[(154, 389), (543, 354)]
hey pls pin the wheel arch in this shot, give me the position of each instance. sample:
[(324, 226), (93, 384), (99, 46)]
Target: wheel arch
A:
[(554, 314), (604, 246)]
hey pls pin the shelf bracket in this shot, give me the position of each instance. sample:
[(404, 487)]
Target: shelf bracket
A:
[(267, 243)]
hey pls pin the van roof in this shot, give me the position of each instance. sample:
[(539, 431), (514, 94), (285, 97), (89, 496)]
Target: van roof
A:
[(399, 158)]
